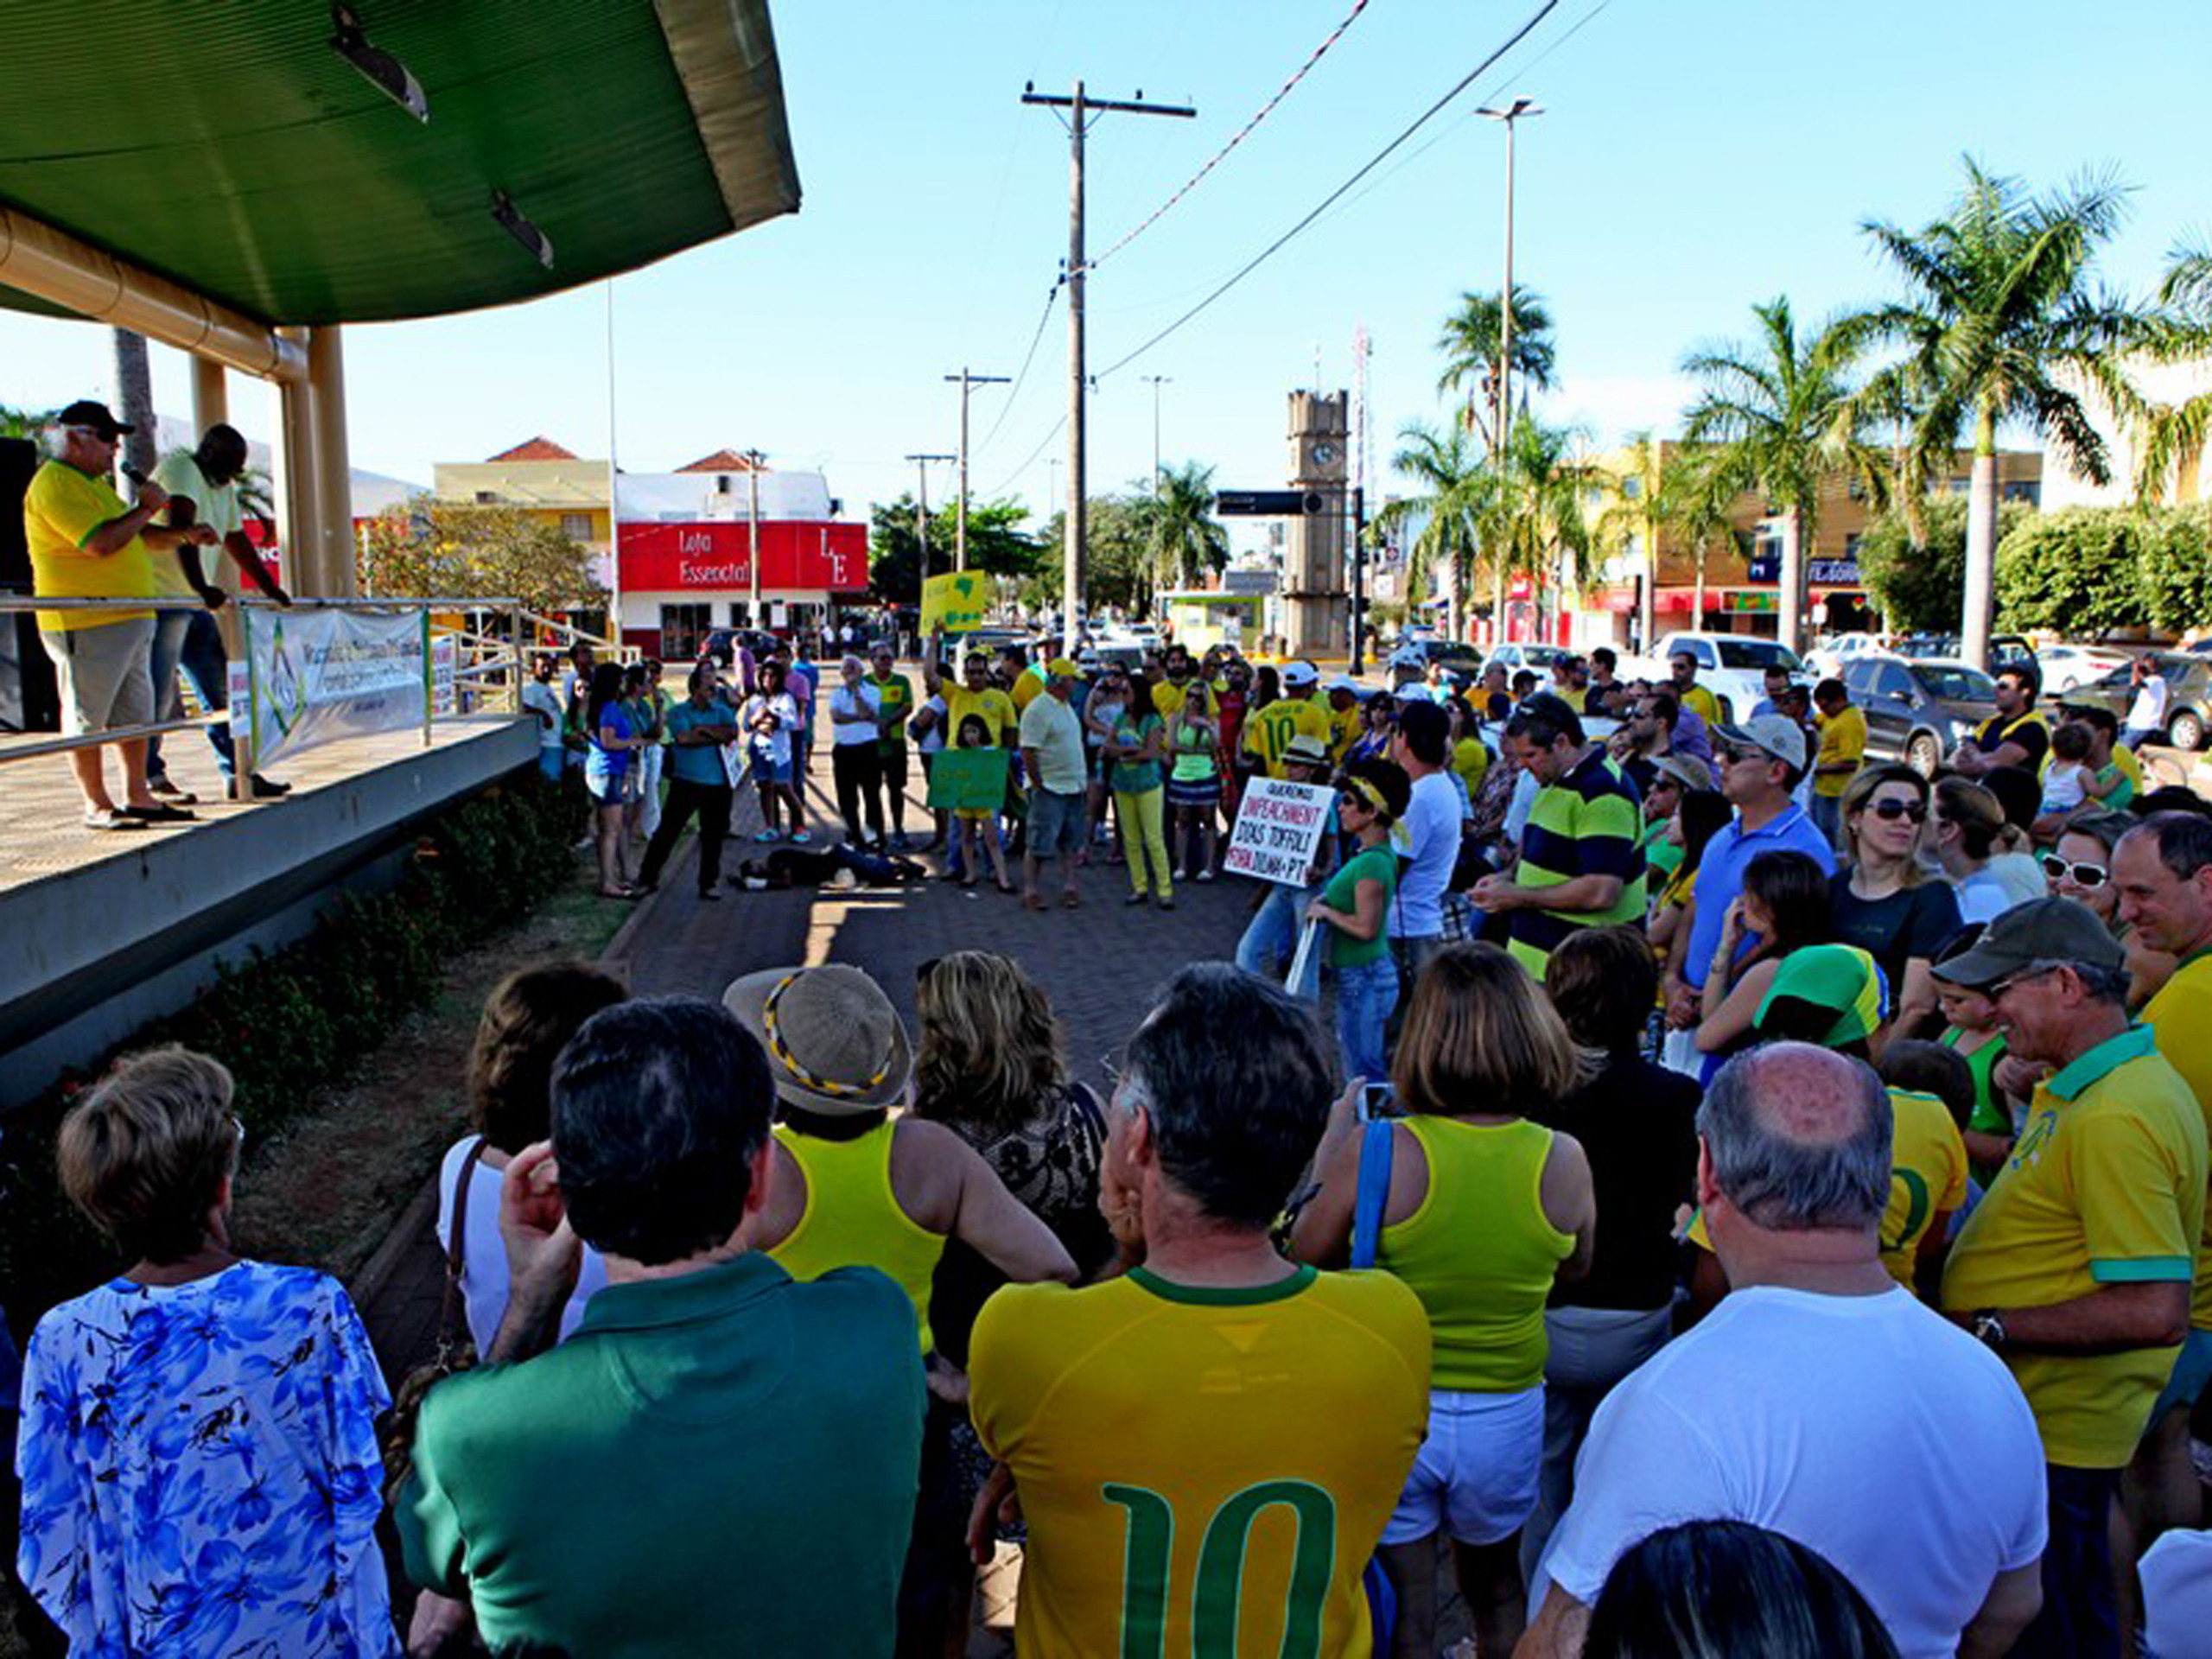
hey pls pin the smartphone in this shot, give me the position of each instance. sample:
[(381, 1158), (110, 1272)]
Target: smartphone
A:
[(1375, 1102)]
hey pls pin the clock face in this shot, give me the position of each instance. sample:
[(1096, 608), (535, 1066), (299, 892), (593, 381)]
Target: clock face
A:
[(1324, 453)]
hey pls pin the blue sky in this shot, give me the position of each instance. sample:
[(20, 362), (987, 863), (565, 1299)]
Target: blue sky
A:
[(1696, 156)]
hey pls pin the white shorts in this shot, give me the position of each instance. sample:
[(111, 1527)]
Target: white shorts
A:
[(1475, 1475)]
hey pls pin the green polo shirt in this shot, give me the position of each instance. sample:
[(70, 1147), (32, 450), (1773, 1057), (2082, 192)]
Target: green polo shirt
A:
[(719, 1461), (2104, 1187), (895, 696)]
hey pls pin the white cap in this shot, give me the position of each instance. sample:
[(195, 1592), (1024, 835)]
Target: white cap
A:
[(1299, 673), (1407, 656), (1777, 735), (1344, 683)]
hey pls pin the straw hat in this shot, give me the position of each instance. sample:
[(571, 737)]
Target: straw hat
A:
[(835, 1044)]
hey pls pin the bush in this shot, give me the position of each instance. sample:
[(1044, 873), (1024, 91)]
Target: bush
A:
[(2175, 568), (2075, 572), (1918, 582), (289, 1023)]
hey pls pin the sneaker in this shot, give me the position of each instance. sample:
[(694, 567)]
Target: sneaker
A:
[(162, 789), (1203, 875), (800, 837), (763, 837), (158, 814), (900, 844), (257, 788), (1135, 899)]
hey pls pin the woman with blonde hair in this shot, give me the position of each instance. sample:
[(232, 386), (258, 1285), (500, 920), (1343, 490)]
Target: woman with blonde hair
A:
[(1486, 1211), (198, 1454), (1882, 899), (988, 1067), (1986, 854)]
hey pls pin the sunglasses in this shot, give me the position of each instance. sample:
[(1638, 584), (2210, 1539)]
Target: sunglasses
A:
[(1893, 809), (1353, 798), (2081, 875)]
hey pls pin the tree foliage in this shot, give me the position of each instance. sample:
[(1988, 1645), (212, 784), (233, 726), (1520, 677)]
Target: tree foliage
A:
[(1470, 342), (996, 543), (1190, 540), (426, 549), (1916, 574), (2076, 571)]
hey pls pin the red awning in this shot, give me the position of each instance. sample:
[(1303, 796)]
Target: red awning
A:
[(822, 557)]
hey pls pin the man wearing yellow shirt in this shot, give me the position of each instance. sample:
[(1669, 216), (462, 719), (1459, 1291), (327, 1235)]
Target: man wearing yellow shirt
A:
[(1347, 720), (85, 543), (2161, 870), (1168, 694), (1843, 749), (1697, 699), (1294, 714), (2076, 1266), (1207, 1449)]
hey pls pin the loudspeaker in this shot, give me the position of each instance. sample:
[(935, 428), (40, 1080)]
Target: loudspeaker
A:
[(29, 700)]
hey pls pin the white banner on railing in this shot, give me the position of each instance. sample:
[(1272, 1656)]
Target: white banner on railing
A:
[(317, 676)]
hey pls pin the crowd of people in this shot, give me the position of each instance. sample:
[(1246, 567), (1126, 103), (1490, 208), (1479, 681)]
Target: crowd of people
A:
[(1717, 1223)]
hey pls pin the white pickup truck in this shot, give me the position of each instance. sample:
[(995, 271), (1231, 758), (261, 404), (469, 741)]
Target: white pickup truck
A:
[(1733, 666)]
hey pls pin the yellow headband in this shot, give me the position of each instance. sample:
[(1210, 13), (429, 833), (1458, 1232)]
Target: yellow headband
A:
[(1366, 790), (790, 1063)]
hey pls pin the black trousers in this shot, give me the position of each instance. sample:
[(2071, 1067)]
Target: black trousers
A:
[(858, 772), (893, 767), (712, 802)]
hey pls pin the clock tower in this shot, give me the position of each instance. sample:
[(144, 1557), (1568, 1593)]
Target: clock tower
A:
[(1316, 617)]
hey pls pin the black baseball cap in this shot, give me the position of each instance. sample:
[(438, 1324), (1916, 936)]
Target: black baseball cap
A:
[(2053, 930), (86, 412)]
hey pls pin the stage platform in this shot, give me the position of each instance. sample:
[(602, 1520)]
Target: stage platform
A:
[(103, 930)]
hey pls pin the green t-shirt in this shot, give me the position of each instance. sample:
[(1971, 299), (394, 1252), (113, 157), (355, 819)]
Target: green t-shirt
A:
[(896, 697), (1136, 777), (1369, 864)]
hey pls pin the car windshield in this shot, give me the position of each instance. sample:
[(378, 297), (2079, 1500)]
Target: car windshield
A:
[(1542, 653), (1757, 653), (1955, 683)]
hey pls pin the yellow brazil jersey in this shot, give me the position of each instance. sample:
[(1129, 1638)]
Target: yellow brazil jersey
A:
[(1470, 759), (1843, 737), (995, 706), (1202, 1470), (1026, 686), (1269, 733), (2180, 1018), (1167, 698), (1928, 1176), (1701, 702), (2104, 1187), (61, 510), (1345, 727)]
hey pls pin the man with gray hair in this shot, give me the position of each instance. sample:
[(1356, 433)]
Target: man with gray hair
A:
[(1150, 1422), (2076, 1267), (1819, 1400)]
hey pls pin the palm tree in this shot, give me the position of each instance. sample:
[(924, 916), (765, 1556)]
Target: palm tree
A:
[(1780, 414), (1530, 509), (1470, 343), (2168, 434), (2001, 323), (1636, 517), (1449, 469), (1186, 539)]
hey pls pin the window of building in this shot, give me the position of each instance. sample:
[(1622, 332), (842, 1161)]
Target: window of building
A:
[(487, 497), (683, 629), (2022, 489), (576, 527)]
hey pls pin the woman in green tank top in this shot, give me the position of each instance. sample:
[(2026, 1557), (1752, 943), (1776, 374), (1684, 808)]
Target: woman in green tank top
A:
[(1970, 1020), (1485, 1213), (1193, 786)]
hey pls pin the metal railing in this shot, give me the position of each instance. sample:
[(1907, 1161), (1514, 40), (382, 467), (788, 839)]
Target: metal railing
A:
[(494, 665)]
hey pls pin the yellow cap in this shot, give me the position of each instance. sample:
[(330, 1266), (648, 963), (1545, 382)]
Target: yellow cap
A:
[(1063, 668)]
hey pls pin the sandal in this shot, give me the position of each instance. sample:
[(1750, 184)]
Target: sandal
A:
[(1071, 901), (1006, 887), (1031, 902)]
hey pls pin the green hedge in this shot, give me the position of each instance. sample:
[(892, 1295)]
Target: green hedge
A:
[(298, 1020), (1917, 581), (2089, 571)]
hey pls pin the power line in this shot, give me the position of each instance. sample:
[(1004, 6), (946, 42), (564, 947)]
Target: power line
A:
[(1373, 162), (1028, 357), (1030, 459), (1266, 108)]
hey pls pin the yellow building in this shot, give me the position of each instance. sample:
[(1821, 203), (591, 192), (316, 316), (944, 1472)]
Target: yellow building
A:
[(541, 480), (1738, 586)]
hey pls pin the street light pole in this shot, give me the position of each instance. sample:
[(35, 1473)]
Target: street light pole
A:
[(922, 496), (960, 520), (754, 458), (1511, 113), (1155, 381)]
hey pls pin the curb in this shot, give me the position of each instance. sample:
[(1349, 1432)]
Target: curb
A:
[(418, 1220)]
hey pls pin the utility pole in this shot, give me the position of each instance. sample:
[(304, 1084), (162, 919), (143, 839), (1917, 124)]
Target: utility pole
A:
[(752, 531), (960, 523), (1155, 381), (1077, 106), (922, 496), (1511, 113)]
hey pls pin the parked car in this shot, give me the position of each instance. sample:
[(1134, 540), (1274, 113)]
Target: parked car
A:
[(1829, 656), (2188, 695), (1918, 709), (1462, 663), (723, 646), (2064, 667), (1733, 666), (1538, 659)]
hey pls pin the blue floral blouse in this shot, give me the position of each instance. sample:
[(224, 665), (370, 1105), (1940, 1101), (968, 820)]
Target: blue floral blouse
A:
[(200, 1470)]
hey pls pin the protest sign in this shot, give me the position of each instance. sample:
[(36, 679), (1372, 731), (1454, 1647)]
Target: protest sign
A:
[(972, 780), (1279, 827), (955, 601), (313, 677)]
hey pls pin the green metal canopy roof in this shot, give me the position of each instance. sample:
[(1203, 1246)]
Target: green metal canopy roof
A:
[(226, 145)]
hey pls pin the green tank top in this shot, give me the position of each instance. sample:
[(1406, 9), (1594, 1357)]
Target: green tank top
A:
[(1480, 1253), (1193, 755), (853, 1218), (1989, 1117)]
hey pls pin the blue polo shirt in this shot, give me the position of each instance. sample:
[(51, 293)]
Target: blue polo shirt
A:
[(1720, 877), (698, 763)]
